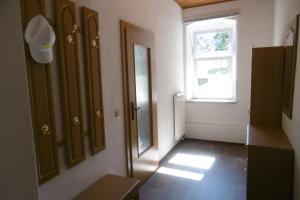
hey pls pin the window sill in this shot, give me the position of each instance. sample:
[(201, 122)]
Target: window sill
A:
[(233, 101)]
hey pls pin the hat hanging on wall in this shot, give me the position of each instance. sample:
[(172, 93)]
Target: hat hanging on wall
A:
[(40, 37)]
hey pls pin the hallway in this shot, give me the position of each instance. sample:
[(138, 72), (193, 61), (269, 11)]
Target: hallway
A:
[(207, 170)]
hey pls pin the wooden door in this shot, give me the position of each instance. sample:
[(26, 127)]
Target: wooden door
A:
[(91, 37), (41, 99), (140, 100), (70, 80)]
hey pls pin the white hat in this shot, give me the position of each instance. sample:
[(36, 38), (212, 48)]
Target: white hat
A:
[(40, 38)]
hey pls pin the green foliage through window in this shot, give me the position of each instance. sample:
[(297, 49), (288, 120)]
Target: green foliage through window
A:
[(221, 41), (221, 70), (216, 41), (202, 81)]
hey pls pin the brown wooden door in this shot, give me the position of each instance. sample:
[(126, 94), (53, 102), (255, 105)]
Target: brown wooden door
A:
[(69, 67), (42, 111), (140, 101), (91, 38)]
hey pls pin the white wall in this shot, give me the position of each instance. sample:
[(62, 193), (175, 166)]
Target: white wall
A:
[(227, 121), (164, 18), (17, 164), (285, 12)]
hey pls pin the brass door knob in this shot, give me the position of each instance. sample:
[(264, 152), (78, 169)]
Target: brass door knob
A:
[(98, 114), (45, 130), (94, 44), (70, 39), (76, 29), (76, 121), (98, 35), (96, 40)]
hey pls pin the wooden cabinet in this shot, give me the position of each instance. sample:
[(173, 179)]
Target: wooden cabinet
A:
[(42, 111), (270, 154), (66, 33), (91, 37), (270, 164), (266, 86)]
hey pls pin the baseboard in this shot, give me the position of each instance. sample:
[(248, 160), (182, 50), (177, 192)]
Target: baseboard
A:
[(212, 141), (232, 133)]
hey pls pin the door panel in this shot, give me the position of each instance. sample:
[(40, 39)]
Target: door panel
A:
[(139, 100), (69, 64), (91, 38), (42, 111)]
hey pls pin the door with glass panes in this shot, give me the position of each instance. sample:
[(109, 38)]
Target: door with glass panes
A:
[(140, 101)]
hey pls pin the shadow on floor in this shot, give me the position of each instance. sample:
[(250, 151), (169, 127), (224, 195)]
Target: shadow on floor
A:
[(199, 170)]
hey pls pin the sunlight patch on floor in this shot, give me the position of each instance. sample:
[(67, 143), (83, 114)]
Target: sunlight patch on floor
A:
[(181, 173), (196, 161)]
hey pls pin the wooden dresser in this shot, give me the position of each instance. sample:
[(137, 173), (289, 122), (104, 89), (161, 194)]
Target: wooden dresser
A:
[(270, 164)]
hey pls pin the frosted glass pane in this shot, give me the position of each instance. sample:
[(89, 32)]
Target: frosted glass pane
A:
[(142, 98)]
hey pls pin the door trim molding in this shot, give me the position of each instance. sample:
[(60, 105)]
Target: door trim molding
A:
[(123, 26)]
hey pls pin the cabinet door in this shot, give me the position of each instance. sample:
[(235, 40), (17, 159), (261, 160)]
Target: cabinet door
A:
[(91, 37), (266, 86), (67, 30), (39, 78)]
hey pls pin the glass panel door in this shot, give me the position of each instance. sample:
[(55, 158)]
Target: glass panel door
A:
[(143, 98)]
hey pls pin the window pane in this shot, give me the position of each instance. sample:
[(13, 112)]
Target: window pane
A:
[(212, 44), (213, 79)]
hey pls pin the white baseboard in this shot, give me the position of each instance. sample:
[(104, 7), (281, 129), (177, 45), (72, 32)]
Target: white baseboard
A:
[(233, 133)]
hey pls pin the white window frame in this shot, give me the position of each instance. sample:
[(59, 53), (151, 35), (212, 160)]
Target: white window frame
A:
[(229, 55)]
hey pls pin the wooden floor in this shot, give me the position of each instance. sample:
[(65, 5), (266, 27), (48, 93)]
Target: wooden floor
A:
[(225, 179)]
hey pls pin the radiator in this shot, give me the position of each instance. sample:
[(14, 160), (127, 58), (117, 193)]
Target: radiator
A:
[(179, 115)]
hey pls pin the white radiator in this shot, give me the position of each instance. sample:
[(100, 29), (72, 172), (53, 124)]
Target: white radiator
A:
[(179, 115)]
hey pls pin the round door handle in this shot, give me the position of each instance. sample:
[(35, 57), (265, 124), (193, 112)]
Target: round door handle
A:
[(45, 130), (76, 121)]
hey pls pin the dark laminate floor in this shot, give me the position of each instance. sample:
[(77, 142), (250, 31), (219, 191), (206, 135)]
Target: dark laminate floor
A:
[(224, 180)]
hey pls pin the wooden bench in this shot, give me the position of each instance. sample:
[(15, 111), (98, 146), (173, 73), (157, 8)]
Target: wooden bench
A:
[(112, 187)]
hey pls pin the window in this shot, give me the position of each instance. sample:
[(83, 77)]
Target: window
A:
[(211, 60)]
